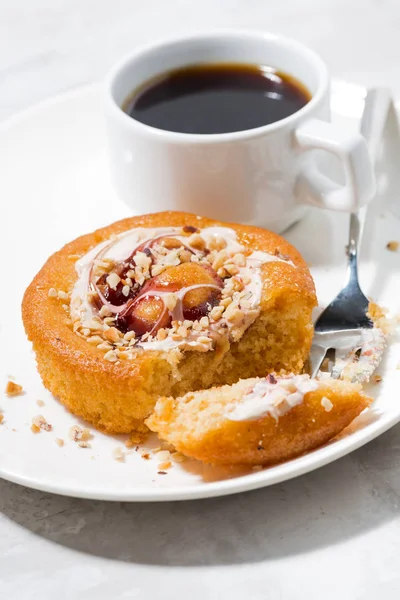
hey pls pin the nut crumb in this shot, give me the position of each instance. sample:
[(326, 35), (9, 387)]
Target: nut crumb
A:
[(119, 454), (77, 434), (146, 456), (40, 422), (40, 402), (84, 445), (13, 389), (377, 378), (327, 404), (35, 428), (52, 293), (59, 442), (392, 246)]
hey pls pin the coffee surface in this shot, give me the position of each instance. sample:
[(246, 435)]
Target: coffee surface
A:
[(216, 98)]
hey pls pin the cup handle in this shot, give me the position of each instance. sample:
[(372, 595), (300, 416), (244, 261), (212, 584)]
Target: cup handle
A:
[(316, 188)]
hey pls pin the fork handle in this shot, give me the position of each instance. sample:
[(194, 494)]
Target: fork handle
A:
[(376, 107)]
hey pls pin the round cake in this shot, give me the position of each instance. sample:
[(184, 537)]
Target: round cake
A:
[(164, 304)]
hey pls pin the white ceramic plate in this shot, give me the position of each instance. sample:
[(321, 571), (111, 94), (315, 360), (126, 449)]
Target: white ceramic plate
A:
[(54, 186)]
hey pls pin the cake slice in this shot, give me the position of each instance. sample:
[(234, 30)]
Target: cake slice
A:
[(258, 421)]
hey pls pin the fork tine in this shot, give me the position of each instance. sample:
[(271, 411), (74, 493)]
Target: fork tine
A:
[(316, 358)]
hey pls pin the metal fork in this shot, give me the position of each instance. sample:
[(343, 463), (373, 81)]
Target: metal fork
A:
[(344, 325)]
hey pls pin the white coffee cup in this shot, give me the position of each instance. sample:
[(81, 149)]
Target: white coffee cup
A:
[(265, 176)]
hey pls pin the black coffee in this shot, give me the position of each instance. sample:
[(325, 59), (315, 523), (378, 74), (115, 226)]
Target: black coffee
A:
[(217, 98)]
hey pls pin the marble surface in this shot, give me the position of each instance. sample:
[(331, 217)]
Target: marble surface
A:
[(332, 533)]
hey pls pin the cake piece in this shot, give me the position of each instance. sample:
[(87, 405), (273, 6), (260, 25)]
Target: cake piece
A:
[(258, 421)]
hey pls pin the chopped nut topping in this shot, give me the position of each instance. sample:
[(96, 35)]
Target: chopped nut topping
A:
[(94, 340), (52, 293), (157, 270), (240, 260), (170, 301), (162, 334), (142, 260), (13, 389), (327, 404), (112, 335), (125, 290), (105, 312), (111, 356), (182, 331), (196, 241), (41, 423), (392, 246), (204, 322), (92, 325), (62, 295), (216, 312), (113, 280), (130, 335)]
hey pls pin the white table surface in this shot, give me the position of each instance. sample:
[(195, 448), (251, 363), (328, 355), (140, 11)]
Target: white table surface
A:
[(334, 533)]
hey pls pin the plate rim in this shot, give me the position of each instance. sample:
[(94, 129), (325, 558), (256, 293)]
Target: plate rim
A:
[(270, 476)]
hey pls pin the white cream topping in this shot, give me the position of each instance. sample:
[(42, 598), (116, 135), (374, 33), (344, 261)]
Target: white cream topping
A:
[(359, 368), (275, 399), (121, 247)]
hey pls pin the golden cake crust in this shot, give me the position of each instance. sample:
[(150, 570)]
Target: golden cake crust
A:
[(116, 397)]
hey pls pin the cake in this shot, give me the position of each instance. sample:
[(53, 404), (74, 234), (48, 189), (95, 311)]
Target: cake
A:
[(164, 304), (258, 421)]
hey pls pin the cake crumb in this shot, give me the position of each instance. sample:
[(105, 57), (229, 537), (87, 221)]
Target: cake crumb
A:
[(146, 456), (59, 442), (162, 472), (377, 378), (178, 457), (40, 402), (13, 389), (129, 443), (327, 404), (392, 246), (118, 454), (165, 465), (35, 428), (1, 417), (162, 455)]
